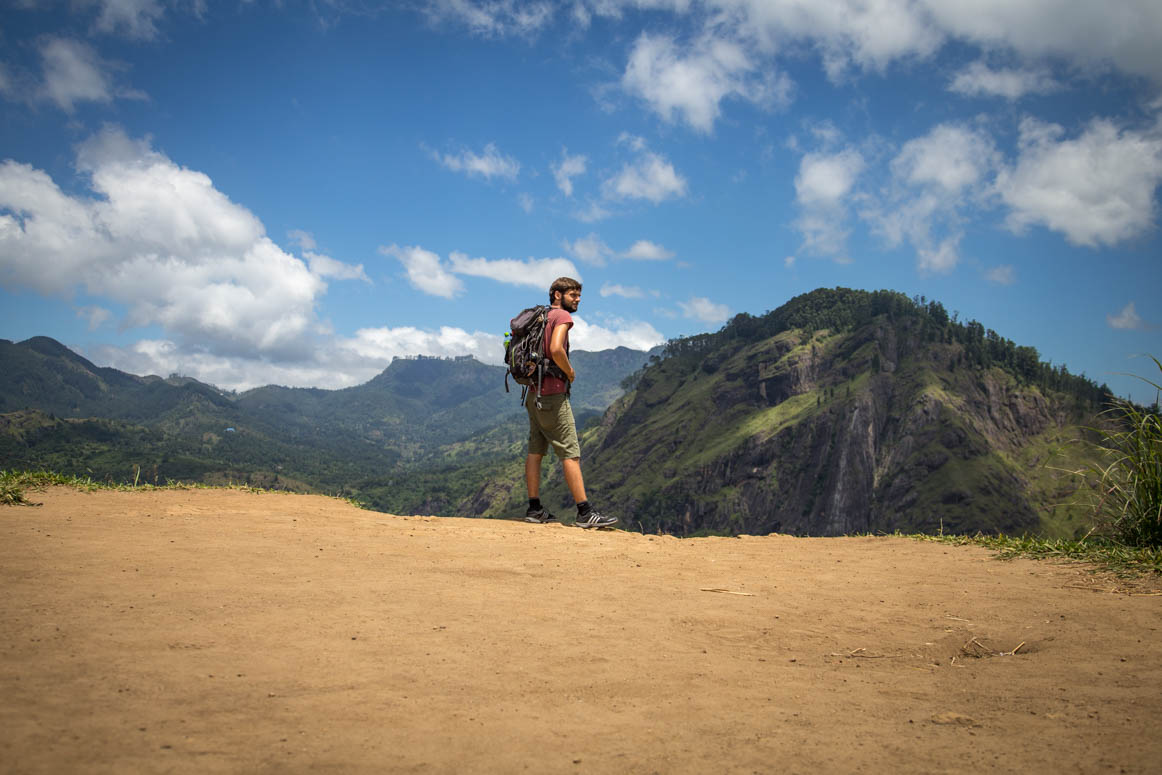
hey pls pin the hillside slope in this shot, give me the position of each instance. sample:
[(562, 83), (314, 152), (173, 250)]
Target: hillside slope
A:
[(843, 412)]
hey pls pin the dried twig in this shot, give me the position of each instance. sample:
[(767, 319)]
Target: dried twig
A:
[(726, 591)]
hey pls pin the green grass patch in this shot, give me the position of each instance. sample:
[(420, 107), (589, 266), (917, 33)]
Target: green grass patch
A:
[(1103, 553), (14, 485)]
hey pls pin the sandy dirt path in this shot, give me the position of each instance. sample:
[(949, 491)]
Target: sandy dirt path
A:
[(222, 631)]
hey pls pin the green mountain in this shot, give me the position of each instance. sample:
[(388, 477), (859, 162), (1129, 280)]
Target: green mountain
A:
[(844, 412), (840, 412), (380, 441)]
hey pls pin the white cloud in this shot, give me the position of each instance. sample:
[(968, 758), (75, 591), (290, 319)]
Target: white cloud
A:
[(935, 179), (72, 72), (589, 249), (325, 266), (491, 164), (133, 18), (425, 270), (644, 250), (1128, 319), (690, 85), (380, 345), (568, 168), (343, 362), (1096, 189), (526, 202), (634, 335), (978, 79), (1125, 33), (825, 180), (592, 213), (822, 187), (493, 18), (789, 262), (322, 265), (624, 291), (94, 316), (704, 310), (951, 157), (1001, 275), (535, 273), (633, 142), (161, 240), (650, 177)]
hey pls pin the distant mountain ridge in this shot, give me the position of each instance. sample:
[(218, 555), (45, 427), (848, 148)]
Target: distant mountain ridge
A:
[(321, 439)]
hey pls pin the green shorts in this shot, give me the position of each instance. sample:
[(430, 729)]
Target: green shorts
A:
[(552, 424)]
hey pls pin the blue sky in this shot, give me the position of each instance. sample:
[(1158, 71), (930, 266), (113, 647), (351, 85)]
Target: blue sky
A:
[(253, 193)]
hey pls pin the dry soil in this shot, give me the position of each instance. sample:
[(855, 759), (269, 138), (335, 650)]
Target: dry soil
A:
[(224, 631)]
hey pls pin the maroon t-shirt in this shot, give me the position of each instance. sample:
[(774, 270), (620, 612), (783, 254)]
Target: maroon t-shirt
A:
[(550, 385)]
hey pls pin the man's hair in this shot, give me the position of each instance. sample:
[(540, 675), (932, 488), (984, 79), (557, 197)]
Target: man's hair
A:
[(564, 285)]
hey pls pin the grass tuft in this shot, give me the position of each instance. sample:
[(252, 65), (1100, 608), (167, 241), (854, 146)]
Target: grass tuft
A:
[(14, 484), (1103, 553), (1128, 482)]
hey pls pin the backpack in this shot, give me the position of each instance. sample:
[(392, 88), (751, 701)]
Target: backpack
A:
[(524, 351)]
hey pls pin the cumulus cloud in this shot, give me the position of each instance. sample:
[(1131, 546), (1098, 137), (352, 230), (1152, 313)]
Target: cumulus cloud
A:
[(934, 181), (323, 265), (492, 18), (132, 18), (535, 272), (644, 250), (823, 186), (1001, 275), (1096, 189), (590, 249), (1127, 320), (624, 291), (634, 335), (343, 362), (690, 85), (649, 177), (94, 316), (164, 242), (425, 271), (488, 165), (704, 310), (566, 169), (980, 80), (428, 273), (592, 212), (71, 72), (1084, 33)]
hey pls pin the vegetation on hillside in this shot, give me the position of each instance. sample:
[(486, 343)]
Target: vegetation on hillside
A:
[(1128, 480)]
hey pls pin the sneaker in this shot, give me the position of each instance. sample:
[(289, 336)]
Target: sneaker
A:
[(539, 516), (596, 519)]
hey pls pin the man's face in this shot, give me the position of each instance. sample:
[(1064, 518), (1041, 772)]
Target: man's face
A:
[(570, 300)]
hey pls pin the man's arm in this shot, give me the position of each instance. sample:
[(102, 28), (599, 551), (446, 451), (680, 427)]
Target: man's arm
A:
[(557, 350)]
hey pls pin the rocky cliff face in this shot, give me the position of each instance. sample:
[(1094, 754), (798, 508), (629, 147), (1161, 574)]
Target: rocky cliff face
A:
[(878, 429)]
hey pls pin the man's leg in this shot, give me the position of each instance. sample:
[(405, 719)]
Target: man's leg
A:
[(533, 475), (574, 479)]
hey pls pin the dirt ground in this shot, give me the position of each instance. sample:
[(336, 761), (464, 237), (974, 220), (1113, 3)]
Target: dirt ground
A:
[(223, 631)]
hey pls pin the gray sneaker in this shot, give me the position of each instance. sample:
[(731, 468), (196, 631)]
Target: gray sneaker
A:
[(595, 519), (539, 516)]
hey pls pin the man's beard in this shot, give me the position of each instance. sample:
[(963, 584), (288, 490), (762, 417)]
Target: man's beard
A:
[(570, 306)]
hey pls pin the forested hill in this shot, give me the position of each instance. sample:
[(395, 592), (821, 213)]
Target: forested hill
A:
[(845, 411), (60, 411), (842, 310)]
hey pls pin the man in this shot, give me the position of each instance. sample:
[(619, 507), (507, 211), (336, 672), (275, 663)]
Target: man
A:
[(551, 417)]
